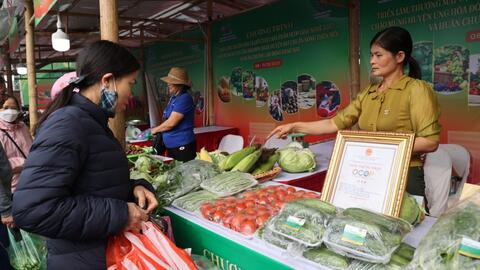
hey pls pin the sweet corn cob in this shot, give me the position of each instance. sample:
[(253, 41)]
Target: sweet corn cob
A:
[(233, 159), (204, 155), (266, 166), (246, 164)]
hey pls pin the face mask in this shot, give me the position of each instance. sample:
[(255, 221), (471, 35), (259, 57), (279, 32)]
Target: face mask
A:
[(9, 115), (108, 99)]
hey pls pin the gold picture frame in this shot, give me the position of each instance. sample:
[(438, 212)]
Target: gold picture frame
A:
[(360, 163)]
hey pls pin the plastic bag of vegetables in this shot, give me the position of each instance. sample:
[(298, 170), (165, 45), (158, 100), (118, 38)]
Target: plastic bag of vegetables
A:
[(303, 221), (399, 260), (453, 241), (26, 251), (365, 235), (229, 183), (324, 257), (192, 201), (183, 179), (296, 160)]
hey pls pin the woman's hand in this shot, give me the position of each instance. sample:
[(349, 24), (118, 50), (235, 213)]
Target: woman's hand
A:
[(155, 130), (8, 221), (282, 131), (135, 217), (146, 199)]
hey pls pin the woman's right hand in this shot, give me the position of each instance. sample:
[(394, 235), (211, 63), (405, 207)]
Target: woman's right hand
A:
[(135, 217), (282, 131)]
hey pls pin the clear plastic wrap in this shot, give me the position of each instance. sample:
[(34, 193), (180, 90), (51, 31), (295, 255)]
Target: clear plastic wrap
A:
[(303, 221), (183, 179), (364, 235), (192, 201), (324, 257), (229, 183), (399, 260), (453, 241)]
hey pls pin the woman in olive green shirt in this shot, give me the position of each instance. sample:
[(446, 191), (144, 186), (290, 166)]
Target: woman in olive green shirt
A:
[(399, 103)]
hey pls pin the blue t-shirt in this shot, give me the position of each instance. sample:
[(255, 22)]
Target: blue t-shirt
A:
[(182, 133)]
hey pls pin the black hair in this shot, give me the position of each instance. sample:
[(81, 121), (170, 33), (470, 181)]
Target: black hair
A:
[(14, 99), (395, 39), (94, 61)]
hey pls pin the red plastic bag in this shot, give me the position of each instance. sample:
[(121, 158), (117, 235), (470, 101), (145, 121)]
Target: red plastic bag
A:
[(149, 250)]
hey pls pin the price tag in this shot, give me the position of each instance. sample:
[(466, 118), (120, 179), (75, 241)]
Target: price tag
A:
[(294, 223), (354, 235), (470, 248)]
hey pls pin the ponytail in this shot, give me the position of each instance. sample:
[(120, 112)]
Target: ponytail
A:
[(414, 69)]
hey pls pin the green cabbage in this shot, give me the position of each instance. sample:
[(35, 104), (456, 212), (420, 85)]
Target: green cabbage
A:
[(296, 160), (411, 211)]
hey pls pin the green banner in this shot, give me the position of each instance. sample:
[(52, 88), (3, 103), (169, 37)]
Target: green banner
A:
[(446, 36), (160, 57), (41, 8), (284, 62)]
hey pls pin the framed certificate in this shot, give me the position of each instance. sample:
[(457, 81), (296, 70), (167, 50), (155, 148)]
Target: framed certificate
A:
[(369, 170)]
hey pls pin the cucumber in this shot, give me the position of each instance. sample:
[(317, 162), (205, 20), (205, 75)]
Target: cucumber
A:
[(389, 223), (406, 251), (319, 205), (399, 260), (325, 257)]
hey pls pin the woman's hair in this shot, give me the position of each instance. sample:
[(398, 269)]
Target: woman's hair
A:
[(94, 61), (7, 97), (395, 39)]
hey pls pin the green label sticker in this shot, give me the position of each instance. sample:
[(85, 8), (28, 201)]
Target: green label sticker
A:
[(354, 235), (294, 223), (470, 248)]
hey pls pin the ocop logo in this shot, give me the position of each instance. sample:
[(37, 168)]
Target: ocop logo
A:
[(368, 152), (362, 173)]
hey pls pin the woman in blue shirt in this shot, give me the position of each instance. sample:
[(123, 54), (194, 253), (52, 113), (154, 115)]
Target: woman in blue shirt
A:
[(177, 126)]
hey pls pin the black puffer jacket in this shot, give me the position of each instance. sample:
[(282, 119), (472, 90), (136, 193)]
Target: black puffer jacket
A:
[(74, 186)]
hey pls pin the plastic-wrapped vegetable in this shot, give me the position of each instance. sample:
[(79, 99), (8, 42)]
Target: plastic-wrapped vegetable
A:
[(296, 160), (27, 251), (303, 221), (450, 243), (364, 235), (192, 201), (183, 179), (229, 183), (399, 260), (275, 238), (411, 211), (324, 257)]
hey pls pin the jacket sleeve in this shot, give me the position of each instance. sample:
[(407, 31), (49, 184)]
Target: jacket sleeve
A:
[(5, 182), (44, 202)]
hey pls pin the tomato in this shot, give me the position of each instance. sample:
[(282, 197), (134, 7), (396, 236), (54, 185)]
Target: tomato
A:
[(272, 197), (248, 227), (249, 203), (230, 210), (205, 206), (218, 216), (312, 195), (261, 219), (291, 190), (262, 200), (279, 204), (237, 221), (227, 220), (271, 189), (290, 197), (281, 194), (299, 193), (230, 199), (249, 194), (240, 206), (261, 212)]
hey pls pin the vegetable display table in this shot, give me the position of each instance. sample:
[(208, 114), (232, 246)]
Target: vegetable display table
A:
[(232, 251)]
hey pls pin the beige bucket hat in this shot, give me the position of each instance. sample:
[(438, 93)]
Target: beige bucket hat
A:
[(177, 75)]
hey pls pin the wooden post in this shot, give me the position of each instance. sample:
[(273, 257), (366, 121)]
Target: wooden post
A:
[(109, 31), (8, 68), (30, 56), (142, 73), (354, 25), (210, 91)]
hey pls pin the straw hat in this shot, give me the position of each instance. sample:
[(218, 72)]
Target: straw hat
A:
[(177, 75)]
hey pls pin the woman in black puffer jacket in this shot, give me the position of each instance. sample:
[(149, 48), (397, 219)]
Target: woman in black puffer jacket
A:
[(75, 188)]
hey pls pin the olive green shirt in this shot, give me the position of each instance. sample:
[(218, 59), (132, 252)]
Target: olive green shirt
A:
[(409, 105)]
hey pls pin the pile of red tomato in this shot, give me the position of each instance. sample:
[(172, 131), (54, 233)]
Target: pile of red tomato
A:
[(251, 209)]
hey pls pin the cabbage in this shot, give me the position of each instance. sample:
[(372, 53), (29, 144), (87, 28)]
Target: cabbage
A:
[(411, 211), (295, 160), (295, 144)]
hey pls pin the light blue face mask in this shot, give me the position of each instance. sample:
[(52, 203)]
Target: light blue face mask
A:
[(108, 99)]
